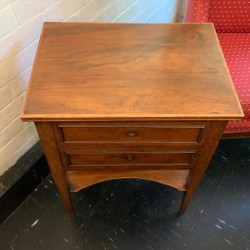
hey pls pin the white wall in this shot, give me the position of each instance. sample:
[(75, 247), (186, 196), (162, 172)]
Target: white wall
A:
[(20, 25)]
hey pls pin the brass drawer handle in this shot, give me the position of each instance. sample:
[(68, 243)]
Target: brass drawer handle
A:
[(131, 133), (130, 157)]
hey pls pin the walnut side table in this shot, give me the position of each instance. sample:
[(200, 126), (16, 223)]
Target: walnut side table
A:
[(147, 101)]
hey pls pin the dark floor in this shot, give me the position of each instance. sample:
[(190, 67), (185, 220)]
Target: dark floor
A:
[(135, 214)]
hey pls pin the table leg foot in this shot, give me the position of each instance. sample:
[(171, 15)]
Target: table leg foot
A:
[(185, 201)]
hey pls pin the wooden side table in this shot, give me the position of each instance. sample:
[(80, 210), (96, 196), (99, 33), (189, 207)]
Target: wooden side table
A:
[(147, 101)]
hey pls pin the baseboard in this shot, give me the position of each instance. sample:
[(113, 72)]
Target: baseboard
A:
[(21, 180)]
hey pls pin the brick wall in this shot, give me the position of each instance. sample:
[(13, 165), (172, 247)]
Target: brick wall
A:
[(20, 26)]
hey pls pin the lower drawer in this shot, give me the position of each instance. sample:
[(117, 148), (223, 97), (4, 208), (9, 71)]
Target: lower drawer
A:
[(133, 157)]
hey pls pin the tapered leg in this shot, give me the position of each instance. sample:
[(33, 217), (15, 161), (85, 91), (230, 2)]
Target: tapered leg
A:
[(209, 143), (48, 142), (185, 201), (192, 184)]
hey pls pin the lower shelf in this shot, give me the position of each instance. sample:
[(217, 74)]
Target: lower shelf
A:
[(82, 179)]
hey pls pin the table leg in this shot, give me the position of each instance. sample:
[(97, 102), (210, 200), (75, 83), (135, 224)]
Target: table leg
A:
[(185, 201), (192, 184), (48, 142), (202, 160)]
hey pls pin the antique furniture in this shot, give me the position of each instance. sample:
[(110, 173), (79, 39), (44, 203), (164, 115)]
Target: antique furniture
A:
[(232, 23), (147, 101)]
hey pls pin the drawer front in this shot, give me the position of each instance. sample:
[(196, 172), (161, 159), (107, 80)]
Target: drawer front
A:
[(178, 132), (109, 158)]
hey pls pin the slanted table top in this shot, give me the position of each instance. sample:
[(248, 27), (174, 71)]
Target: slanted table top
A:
[(129, 71)]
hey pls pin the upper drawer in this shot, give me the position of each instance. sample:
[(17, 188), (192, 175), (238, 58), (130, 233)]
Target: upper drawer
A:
[(117, 132)]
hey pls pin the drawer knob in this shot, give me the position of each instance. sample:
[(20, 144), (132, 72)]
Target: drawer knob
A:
[(130, 157), (131, 133)]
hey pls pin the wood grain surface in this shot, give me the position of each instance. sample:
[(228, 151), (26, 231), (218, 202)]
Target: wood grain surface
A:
[(129, 71), (118, 132), (146, 101), (174, 178)]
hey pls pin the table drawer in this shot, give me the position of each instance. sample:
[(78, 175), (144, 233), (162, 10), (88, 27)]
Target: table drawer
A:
[(110, 158), (171, 132)]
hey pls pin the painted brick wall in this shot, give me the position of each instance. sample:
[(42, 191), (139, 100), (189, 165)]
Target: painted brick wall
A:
[(20, 26)]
